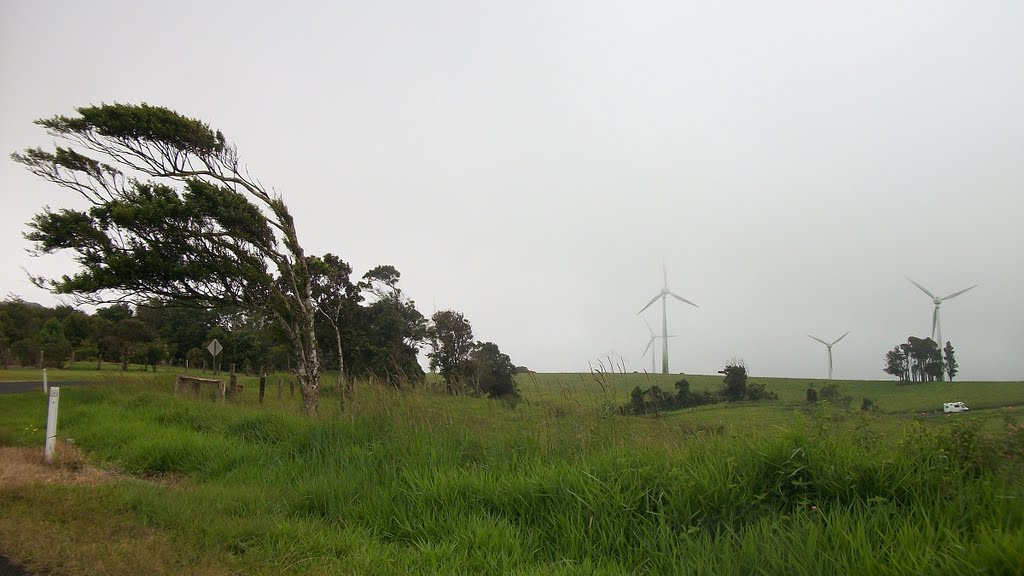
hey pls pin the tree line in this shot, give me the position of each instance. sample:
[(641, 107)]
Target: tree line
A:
[(173, 219), (378, 340), (734, 388)]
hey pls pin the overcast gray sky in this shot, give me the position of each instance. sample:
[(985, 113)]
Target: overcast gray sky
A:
[(530, 163)]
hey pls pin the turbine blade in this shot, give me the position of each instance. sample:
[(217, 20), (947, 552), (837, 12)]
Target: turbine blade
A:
[(649, 329), (649, 342), (664, 272), (841, 337), (653, 300), (959, 293), (923, 289), (681, 299), (818, 339)]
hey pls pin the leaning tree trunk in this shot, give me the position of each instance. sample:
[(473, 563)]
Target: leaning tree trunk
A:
[(307, 362), (341, 365)]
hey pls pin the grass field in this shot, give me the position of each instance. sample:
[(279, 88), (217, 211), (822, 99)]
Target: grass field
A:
[(414, 481)]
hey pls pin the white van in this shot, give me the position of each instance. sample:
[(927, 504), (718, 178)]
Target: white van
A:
[(951, 407)]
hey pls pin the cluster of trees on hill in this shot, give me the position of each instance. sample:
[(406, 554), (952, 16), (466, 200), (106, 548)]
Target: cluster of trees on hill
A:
[(172, 219), (34, 335), (920, 360), (380, 339), (376, 339), (477, 367), (734, 388)]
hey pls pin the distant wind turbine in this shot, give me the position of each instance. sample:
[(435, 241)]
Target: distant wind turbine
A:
[(936, 323), (650, 342), (829, 346), (664, 294)]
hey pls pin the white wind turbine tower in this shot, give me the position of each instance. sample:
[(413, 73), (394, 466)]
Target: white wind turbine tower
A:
[(650, 342), (936, 323), (829, 346), (664, 294)]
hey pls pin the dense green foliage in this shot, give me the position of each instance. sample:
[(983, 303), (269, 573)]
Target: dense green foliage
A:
[(491, 371), (172, 217), (655, 400), (479, 368), (734, 388), (411, 482), (381, 339), (921, 360), (949, 360), (451, 340)]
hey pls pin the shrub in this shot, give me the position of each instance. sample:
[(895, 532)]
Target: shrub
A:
[(735, 381), (654, 399), (831, 393), (757, 391)]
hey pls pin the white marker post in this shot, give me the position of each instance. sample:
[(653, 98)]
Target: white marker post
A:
[(51, 424), (46, 385)]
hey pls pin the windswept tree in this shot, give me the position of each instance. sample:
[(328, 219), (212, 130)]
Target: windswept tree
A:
[(171, 215), (451, 341), (382, 282), (949, 360), (334, 295), (896, 363), (388, 331)]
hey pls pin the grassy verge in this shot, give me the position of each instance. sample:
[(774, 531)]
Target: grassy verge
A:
[(85, 530), (414, 482)]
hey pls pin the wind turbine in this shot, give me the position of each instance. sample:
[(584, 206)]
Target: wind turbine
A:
[(829, 346), (664, 294), (650, 342), (936, 323)]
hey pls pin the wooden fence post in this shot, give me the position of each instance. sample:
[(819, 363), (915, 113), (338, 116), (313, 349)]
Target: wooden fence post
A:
[(263, 386)]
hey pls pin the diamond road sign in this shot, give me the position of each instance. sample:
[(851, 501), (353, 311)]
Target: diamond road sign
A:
[(215, 347)]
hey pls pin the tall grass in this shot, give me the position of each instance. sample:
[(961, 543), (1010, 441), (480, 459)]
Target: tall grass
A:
[(417, 482)]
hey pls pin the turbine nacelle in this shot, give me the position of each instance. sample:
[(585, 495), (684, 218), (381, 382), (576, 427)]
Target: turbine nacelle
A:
[(937, 301)]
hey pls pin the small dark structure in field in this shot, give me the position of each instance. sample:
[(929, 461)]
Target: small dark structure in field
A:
[(194, 383)]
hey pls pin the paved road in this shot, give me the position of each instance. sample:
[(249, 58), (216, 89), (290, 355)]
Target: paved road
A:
[(12, 387)]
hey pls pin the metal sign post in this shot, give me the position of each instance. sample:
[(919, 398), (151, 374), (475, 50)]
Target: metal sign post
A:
[(215, 349)]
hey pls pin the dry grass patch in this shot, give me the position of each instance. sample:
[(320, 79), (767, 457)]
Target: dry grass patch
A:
[(26, 466)]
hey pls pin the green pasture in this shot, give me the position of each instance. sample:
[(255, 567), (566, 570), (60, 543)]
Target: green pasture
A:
[(414, 481), (889, 397)]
